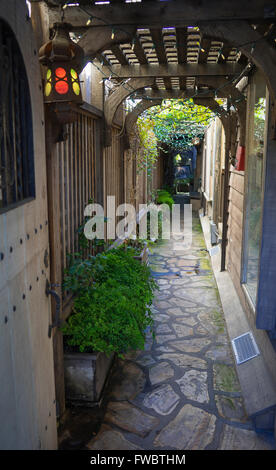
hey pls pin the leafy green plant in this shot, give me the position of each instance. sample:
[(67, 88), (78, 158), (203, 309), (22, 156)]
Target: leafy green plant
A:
[(113, 293), (164, 197), (176, 123)]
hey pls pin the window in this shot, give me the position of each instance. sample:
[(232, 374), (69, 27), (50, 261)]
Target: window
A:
[(16, 133), (254, 189)]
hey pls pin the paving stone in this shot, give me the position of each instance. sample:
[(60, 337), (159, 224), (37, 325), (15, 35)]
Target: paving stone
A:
[(127, 381), (203, 295), (161, 372), (182, 330), (213, 322), (165, 349), (192, 429), (189, 320), (161, 317), (164, 287), (162, 282), (231, 408), (160, 339), (164, 295), (175, 311), (193, 385), (153, 309), (178, 282), (163, 329), (200, 330), (146, 360), (192, 345), (109, 439), (163, 400), (181, 303), (184, 360), (222, 339), (162, 304), (220, 352), (187, 263), (195, 309), (225, 378), (156, 268), (131, 419), (242, 439)]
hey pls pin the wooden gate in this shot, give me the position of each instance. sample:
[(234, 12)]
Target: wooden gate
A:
[(27, 394)]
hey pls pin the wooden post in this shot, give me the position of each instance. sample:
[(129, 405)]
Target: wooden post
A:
[(55, 255), (226, 194)]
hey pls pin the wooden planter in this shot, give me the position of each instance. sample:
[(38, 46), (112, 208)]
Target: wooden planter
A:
[(85, 377), (86, 374)]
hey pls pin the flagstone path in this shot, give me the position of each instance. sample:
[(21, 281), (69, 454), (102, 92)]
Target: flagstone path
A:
[(182, 392)]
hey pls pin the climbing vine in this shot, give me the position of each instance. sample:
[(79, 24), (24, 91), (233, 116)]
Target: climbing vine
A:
[(149, 143), (177, 123)]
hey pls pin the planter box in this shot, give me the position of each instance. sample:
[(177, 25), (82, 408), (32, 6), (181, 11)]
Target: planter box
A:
[(85, 377)]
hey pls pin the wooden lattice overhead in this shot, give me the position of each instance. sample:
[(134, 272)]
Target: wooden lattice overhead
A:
[(151, 33)]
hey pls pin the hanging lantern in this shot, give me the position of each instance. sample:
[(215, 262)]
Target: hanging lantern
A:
[(63, 59)]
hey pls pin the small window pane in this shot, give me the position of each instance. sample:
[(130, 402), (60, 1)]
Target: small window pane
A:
[(16, 132), (255, 167)]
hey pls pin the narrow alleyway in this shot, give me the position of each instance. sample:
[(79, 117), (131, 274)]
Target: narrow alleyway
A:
[(182, 392)]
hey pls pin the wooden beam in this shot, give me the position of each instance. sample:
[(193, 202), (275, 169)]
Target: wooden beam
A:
[(181, 44), (158, 14), (167, 83), (113, 101), (173, 70), (157, 39), (120, 56), (204, 49), (224, 53), (139, 51)]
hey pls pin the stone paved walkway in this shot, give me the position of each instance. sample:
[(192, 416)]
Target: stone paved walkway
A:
[(182, 392)]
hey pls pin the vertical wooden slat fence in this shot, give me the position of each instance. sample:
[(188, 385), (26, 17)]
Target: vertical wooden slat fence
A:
[(77, 175), (114, 169)]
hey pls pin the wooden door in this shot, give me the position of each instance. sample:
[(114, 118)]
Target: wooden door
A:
[(27, 395)]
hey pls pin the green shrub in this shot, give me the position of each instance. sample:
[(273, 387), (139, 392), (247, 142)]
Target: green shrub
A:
[(164, 197), (113, 293)]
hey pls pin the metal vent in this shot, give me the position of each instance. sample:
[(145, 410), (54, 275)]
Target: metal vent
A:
[(245, 347)]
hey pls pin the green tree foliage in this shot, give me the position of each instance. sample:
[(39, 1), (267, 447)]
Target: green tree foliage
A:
[(176, 122)]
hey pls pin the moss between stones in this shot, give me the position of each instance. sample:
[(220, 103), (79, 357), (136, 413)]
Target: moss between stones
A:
[(218, 321), (225, 378)]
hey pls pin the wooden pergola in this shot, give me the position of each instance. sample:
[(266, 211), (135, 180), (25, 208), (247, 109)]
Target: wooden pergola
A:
[(171, 46)]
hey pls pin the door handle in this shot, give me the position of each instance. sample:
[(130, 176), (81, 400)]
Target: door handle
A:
[(50, 291)]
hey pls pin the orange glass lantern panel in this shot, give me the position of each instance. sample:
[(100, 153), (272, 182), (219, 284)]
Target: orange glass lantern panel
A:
[(61, 85), (61, 73)]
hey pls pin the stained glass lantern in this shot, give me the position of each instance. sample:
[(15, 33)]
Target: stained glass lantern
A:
[(63, 59)]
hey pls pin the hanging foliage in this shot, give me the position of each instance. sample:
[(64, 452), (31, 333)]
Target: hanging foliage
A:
[(148, 141), (176, 122)]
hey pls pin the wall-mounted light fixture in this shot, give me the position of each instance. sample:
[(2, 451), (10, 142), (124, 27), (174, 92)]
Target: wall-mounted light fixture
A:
[(63, 59)]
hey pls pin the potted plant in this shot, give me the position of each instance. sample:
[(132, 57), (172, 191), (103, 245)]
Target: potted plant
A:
[(112, 297)]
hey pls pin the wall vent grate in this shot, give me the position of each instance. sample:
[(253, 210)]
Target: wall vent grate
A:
[(245, 347)]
